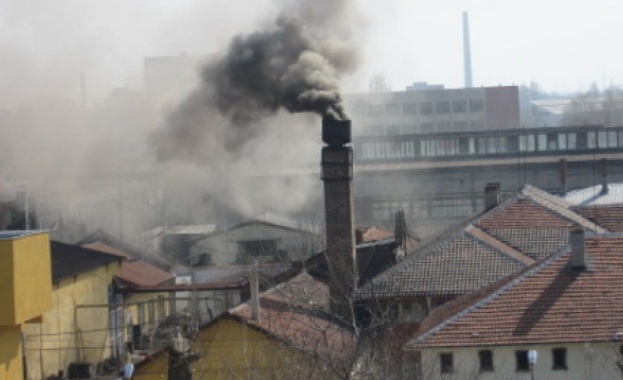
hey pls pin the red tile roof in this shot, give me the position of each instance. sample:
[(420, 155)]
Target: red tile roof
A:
[(297, 312), (550, 302), (609, 217), (138, 273), (134, 273), (102, 247)]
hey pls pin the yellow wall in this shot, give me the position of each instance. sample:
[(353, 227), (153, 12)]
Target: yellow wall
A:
[(231, 350), (25, 278), (10, 353), (71, 332)]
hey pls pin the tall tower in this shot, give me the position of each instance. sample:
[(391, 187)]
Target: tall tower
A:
[(467, 54), (337, 175)]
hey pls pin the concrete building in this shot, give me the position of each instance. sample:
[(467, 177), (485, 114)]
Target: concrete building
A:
[(566, 308), (432, 109)]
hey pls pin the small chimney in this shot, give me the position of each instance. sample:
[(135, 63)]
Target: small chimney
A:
[(603, 171), (337, 175), (562, 171), (254, 283), (400, 228), (492, 195), (578, 247)]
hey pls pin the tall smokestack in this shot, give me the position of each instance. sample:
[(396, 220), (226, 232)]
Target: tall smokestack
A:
[(337, 174), (467, 54)]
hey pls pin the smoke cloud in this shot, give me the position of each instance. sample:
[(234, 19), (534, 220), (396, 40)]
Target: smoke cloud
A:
[(294, 65)]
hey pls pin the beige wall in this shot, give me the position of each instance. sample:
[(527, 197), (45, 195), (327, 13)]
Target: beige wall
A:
[(71, 331), (584, 361)]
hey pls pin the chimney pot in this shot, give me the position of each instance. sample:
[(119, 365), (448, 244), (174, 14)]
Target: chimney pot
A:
[(254, 283), (578, 247), (492, 195), (336, 133)]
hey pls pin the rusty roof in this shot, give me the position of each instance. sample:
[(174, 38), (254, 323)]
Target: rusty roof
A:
[(548, 303), (134, 272), (297, 312)]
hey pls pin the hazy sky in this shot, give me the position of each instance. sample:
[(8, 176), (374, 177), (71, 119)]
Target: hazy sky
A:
[(563, 46)]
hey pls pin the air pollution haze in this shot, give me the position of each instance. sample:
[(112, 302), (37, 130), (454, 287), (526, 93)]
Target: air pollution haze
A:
[(294, 64), (230, 144)]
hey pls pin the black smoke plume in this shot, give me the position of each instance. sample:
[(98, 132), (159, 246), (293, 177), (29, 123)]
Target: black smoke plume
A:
[(294, 65)]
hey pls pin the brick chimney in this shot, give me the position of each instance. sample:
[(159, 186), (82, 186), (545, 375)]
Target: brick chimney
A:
[(337, 175), (579, 258), (492, 195)]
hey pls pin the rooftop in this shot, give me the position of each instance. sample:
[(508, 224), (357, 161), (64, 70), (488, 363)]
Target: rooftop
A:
[(548, 303)]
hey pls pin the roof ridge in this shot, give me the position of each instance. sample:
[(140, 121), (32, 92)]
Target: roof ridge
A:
[(499, 245)]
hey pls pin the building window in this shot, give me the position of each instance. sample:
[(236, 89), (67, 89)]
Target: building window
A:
[(521, 360), (476, 105), (446, 361), (249, 250), (409, 108), (486, 360), (427, 108), (392, 109), (459, 106), (442, 107), (559, 358)]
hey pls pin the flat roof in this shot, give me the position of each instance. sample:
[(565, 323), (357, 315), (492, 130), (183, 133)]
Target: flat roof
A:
[(10, 235)]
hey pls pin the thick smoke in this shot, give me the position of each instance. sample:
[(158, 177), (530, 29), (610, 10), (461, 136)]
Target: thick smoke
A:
[(295, 65)]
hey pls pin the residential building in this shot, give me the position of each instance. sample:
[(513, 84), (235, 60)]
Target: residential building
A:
[(142, 310), (285, 333), (82, 326), (25, 295), (566, 308), (526, 228)]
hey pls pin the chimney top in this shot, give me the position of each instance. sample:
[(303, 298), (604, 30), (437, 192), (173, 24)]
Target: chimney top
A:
[(336, 133), (492, 195), (578, 247)]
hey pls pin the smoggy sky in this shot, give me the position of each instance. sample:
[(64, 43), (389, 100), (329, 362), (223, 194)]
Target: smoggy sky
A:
[(563, 46)]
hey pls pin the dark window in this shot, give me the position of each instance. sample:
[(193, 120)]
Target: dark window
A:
[(427, 108), (521, 359), (486, 360), (392, 109), (442, 107), (476, 105), (409, 108), (445, 360), (459, 106), (248, 250), (559, 358)]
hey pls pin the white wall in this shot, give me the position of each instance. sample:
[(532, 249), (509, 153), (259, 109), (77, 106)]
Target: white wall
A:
[(584, 361)]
